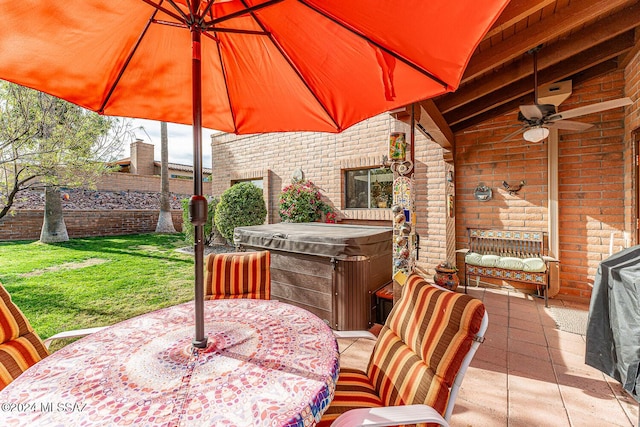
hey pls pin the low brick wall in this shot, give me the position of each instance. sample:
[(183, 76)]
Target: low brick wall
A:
[(27, 224)]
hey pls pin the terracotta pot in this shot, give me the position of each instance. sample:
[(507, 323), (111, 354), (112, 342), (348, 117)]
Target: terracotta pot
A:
[(447, 278)]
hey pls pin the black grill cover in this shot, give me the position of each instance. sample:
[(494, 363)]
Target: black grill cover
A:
[(613, 330)]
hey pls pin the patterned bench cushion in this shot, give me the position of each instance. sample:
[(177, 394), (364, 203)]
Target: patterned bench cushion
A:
[(20, 347), (238, 275)]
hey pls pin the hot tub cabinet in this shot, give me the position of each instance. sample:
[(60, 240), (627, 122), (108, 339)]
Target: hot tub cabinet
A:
[(331, 270)]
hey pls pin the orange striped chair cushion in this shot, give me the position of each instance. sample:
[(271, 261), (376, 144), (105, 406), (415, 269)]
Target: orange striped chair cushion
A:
[(354, 390), (20, 347), (421, 346), (417, 354), (238, 275)]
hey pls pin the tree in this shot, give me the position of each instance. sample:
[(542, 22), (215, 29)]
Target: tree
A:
[(48, 143), (165, 221)]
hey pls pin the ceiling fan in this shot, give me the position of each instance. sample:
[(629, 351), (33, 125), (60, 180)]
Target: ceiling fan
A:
[(537, 118)]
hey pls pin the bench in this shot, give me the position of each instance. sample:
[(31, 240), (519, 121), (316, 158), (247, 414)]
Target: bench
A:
[(508, 255)]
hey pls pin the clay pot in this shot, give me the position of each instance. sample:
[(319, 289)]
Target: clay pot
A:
[(447, 278)]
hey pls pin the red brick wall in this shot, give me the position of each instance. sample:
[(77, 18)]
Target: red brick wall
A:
[(26, 224), (591, 175), (591, 180), (632, 124)]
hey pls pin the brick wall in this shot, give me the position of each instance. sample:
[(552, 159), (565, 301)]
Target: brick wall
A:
[(632, 129), (323, 158), (596, 196), (591, 175), (26, 225), (128, 182)]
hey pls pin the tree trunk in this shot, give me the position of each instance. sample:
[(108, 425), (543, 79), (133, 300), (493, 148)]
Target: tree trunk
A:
[(165, 221), (53, 228)]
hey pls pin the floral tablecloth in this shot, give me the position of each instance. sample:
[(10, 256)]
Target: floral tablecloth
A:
[(267, 364)]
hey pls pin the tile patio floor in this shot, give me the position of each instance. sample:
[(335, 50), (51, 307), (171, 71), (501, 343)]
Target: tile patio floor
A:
[(528, 372)]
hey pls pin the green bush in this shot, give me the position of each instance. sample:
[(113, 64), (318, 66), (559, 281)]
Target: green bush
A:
[(301, 201), (189, 230), (241, 205)]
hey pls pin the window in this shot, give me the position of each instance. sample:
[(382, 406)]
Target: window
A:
[(369, 188), (258, 182)]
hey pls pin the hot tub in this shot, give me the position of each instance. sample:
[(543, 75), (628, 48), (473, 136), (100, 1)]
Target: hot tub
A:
[(332, 270)]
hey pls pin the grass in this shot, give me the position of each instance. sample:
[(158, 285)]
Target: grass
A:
[(95, 281)]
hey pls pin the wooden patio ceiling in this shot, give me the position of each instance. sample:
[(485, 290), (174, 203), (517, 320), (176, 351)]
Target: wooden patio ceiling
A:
[(579, 39)]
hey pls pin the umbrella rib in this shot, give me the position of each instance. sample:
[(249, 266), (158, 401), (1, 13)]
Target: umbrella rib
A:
[(128, 60), (378, 45), (159, 7), (295, 69), (247, 10), (224, 75)]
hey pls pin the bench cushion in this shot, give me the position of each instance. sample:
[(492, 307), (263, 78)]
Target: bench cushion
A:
[(532, 265), (474, 258)]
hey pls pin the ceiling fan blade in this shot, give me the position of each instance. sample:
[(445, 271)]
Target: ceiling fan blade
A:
[(531, 111), (512, 134), (593, 108), (569, 125)]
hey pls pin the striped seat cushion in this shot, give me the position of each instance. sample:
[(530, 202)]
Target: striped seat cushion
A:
[(421, 346), (20, 347), (418, 352), (238, 275), (354, 390)]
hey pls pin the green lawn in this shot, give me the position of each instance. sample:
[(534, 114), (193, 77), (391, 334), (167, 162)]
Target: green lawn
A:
[(95, 281)]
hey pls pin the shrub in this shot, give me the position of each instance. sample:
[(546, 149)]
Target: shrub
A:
[(302, 202), (241, 205), (209, 228)]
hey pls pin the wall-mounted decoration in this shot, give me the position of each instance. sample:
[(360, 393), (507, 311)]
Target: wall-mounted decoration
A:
[(513, 189), (397, 146), (451, 205), (450, 176), (482, 193), (297, 175)]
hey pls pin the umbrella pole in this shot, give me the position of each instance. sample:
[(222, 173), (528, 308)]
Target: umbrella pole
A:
[(198, 203)]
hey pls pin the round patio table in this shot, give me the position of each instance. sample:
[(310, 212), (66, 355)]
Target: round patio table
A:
[(267, 363)]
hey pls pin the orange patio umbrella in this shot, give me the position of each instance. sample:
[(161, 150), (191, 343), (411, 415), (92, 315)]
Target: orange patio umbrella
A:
[(242, 66)]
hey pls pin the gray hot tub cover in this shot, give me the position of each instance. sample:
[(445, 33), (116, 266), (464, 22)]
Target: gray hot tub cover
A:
[(319, 239), (613, 330)]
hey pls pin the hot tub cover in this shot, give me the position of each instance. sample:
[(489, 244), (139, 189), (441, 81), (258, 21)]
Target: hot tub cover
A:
[(613, 330), (319, 239)]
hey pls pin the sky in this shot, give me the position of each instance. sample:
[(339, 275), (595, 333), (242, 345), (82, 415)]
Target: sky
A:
[(180, 141)]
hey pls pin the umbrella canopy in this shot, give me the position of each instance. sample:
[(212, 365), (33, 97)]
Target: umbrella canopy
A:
[(283, 65), (243, 66)]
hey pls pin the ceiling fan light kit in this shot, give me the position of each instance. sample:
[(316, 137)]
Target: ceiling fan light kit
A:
[(535, 134)]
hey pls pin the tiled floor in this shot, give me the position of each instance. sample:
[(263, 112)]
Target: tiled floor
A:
[(528, 372)]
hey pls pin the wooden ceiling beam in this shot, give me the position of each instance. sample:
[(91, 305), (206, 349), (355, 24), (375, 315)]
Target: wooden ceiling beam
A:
[(560, 23), (516, 11), (595, 71), (586, 38), (435, 125), (610, 49)]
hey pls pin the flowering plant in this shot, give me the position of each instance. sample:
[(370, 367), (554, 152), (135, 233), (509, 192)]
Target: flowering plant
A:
[(301, 201)]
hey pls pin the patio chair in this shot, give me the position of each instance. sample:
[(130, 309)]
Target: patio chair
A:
[(417, 364), (20, 346), (238, 275)]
